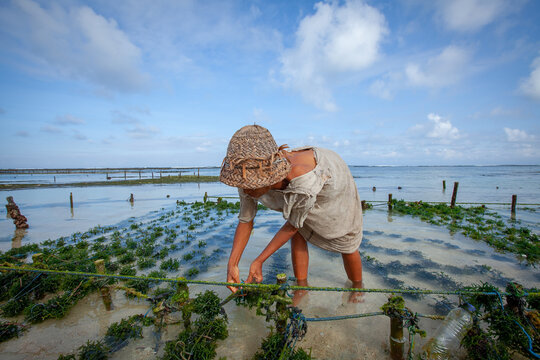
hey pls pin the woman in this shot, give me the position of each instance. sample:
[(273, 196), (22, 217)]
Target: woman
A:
[(312, 187)]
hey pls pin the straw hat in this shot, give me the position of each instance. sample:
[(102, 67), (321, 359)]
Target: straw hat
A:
[(253, 159)]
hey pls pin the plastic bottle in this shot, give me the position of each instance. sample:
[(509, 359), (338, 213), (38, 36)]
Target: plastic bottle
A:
[(446, 340)]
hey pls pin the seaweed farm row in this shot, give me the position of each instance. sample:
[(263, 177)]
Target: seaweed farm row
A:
[(193, 241)]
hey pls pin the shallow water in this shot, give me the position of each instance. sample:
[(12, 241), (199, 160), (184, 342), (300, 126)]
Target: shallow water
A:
[(397, 251)]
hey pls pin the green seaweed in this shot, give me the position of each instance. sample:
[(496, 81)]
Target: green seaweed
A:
[(479, 224), (9, 330), (170, 265)]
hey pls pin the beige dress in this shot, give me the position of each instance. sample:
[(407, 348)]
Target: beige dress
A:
[(323, 204)]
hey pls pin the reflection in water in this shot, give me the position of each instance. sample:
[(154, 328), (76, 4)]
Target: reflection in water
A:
[(16, 241), (389, 217), (72, 213)]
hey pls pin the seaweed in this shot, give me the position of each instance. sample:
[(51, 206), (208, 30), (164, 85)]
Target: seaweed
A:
[(479, 224), (170, 265), (9, 330), (274, 347), (93, 350), (124, 329), (199, 341), (500, 328)]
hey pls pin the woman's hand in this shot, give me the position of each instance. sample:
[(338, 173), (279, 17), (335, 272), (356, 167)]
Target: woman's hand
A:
[(233, 276), (255, 272)]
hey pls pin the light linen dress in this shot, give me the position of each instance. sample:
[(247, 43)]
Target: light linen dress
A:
[(323, 204)]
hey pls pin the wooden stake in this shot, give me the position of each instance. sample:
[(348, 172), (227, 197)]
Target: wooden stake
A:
[(397, 341), (389, 202), (71, 199), (281, 308), (152, 175), (454, 195), (182, 292), (205, 198), (105, 291), (444, 184), (139, 175), (131, 198), (125, 175), (514, 202), (198, 170)]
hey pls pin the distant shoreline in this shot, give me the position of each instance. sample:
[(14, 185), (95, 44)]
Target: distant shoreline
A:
[(179, 170), (162, 180)]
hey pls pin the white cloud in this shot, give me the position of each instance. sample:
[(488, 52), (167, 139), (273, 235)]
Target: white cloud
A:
[(78, 136), (437, 130), (470, 15), (22, 134), (142, 132), (120, 117), (531, 85), (334, 40), (51, 129), (516, 135), (69, 120), (445, 69), (73, 42), (442, 129)]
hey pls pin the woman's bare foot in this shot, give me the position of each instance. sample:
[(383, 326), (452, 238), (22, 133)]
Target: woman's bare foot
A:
[(357, 296), (298, 295)]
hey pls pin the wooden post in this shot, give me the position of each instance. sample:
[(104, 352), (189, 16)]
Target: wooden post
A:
[(131, 198), (219, 200), (389, 202), (205, 198), (160, 174), (444, 185), (397, 341), (152, 175), (182, 294), (514, 202), (125, 175), (454, 194), (281, 308), (71, 199), (198, 172), (364, 205), (105, 291), (106, 176), (55, 179), (139, 175)]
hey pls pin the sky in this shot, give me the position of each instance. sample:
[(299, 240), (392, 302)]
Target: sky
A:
[(167, 83)]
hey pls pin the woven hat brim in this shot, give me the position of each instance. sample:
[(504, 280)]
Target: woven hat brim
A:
[(255, 177)]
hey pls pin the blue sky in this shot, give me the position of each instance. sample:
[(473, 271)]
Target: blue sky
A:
[(167, 83)]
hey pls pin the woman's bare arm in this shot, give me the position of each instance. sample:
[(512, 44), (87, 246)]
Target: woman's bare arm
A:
[(241, 237), (282, 236)]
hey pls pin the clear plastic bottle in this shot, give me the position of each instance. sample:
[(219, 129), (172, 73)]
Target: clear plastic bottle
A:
[(446, 340)]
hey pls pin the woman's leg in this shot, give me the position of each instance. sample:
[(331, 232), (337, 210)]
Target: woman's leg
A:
[(300, 257), (353, 268), (300, 260)]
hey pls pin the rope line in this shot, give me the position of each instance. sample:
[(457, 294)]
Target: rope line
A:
[(344, 317), (254, 285)]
